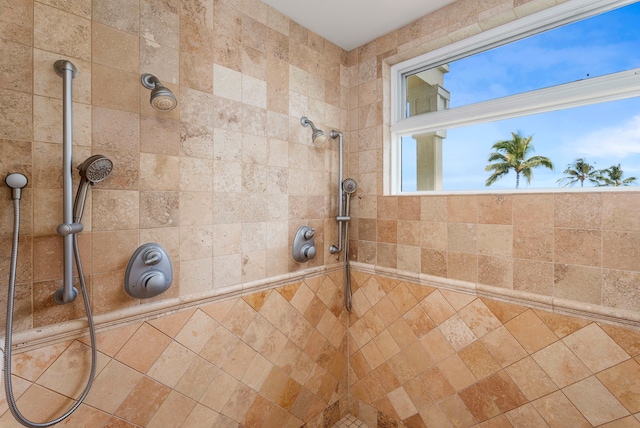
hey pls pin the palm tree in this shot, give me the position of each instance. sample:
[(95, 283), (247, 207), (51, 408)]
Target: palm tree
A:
[(512, 154), (579, 171), (612, 176)]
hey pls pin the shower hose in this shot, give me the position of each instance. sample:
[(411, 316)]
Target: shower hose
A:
[(9, 326)]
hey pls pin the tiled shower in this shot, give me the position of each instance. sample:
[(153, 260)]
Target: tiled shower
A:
[(246, 336)]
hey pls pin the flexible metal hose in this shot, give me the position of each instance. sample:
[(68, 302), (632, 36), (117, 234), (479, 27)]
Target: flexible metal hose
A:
[(8, 387)]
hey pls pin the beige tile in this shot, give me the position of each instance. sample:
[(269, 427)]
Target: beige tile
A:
[(119, 14), (578, 246), (495, 271), (615, 209), (173, 411), (172, 364), (619, 289), (456, 411), (479, 402), (619, 250), (622, 381), (114, 209), (533, 210), (479, 361), (16, 117), (533, 243), (578, 210), (595, 348), (533, 276), (114, 48), (456, 372), (462, 237), (112, 386), (115, 89), (61, 32), (558, 411), (462, 209), (197, 378), (479, 318), (159, 24), (462, 266), (594, 401), (582, 283), (503, 346), (143, 402), (38, 403), (495, 240), (16, 23), (561, 364), (495, 209), (159, 135), (30, 365), (143, 349), (17, 70), (531, 379), (526, 416), (530, 331)]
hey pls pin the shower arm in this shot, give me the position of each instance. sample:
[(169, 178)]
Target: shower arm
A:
[(340, 218), (68, 228)]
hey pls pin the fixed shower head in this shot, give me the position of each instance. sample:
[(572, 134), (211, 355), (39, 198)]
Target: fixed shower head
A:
[(349, 185), (96, 168), (318, 137), (162, 98)]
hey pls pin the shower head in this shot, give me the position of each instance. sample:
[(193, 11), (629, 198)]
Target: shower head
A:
[(16, 181), (161, 97), (349, 185), (96, 168), (318, 137)]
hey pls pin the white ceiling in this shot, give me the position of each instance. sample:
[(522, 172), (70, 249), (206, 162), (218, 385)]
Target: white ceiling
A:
[(352, 23)]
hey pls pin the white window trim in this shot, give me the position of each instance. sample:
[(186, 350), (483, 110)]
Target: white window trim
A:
[(610, 87)]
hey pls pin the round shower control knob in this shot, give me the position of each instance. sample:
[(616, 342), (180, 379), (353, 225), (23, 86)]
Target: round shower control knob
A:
[(153, 282), (309, 251)]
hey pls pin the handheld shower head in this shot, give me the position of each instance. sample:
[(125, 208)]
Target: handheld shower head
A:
[(162, 98), (318, 137), (96, 168), (349, 185), (16, 181)]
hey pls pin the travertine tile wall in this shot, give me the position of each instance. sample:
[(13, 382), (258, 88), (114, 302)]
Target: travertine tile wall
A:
[(423, 357), (222, 182), (577, 246), (272, 359)]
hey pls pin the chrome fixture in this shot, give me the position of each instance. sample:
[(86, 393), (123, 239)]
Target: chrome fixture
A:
[(339, 218), (318, 137), (162, 98), (96, 168), (349, 186), (68, 228), (149, 272), (304, 247)]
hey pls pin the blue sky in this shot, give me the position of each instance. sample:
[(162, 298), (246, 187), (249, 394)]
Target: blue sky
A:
[(605, 134)]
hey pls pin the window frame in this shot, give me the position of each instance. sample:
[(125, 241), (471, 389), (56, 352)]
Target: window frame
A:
[(615, 86)]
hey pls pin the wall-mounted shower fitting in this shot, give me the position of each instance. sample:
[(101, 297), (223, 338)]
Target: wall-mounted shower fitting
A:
[(318, 137), (149, 272), (162, 98), (304, 247)]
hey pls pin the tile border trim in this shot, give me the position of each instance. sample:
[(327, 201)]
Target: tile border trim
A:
[(599, 313)]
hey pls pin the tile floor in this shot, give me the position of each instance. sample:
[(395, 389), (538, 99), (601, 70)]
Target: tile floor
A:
[(350, 421)]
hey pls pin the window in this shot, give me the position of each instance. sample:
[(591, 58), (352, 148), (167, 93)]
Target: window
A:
[(572, 89)]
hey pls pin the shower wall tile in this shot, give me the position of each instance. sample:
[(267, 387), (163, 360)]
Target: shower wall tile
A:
[(46, 82), (159, 24), (107, 81), (120, 14), (61, 32), (15, 115), (16, 22), (17, 70), (161, 61), (114, 48)]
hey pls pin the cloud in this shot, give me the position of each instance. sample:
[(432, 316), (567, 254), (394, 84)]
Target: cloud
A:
[(619, 141)]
